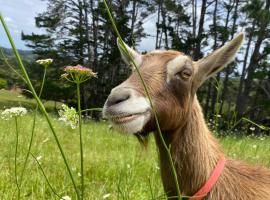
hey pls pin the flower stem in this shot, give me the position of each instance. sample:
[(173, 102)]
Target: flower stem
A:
[(40, 104), (92, 109), (46, 178), (33, 128), (16, 154), (81, 139)]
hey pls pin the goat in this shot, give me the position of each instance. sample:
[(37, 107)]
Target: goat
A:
[(172, 79)]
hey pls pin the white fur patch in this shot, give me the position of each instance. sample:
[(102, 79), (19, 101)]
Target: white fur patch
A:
[(175, 65), (134, 105), (133, 126), (158, 51)]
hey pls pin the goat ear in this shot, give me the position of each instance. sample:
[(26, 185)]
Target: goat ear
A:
[(216, 61), (137, 57)]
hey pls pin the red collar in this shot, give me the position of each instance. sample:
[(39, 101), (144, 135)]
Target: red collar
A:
[(206, 188)]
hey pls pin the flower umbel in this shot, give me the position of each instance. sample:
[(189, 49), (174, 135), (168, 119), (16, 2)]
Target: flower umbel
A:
[(45, 62), (78, 74), (69, 116), (65, 198), (13, 112)]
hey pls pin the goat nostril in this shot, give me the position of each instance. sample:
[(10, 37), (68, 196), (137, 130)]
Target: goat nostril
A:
[(117, 98), (120, 100)]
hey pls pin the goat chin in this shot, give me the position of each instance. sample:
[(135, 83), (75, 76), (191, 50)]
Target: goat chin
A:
[(134, 126)]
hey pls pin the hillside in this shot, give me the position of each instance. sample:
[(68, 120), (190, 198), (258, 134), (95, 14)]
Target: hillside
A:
[(14, 99), (27, 55)]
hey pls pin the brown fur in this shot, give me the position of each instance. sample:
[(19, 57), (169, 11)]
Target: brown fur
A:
[(194, 150)]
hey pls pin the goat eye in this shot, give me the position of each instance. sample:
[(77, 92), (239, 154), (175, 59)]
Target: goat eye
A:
[(184, 74)]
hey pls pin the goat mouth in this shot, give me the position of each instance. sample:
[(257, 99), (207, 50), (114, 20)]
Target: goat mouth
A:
[(126, 118)]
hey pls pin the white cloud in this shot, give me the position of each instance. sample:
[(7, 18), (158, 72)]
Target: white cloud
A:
[(8, 19), (19, 16)]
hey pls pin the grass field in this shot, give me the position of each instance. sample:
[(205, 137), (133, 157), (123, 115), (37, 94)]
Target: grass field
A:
[(12, 98), (116, 166)]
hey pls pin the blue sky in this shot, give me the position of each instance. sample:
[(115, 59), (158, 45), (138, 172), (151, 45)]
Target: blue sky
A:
[(19, 16)]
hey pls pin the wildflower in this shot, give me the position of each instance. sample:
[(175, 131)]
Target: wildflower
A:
[(38, 158), (78, 74), (13, 112), (65, 198), (218, 115), (105, 196), (69, 116), (45, 62), (252, 128), (78, 69), (73, 168), (46, 140)]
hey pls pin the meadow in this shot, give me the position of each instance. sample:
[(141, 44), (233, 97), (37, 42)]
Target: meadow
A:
[(116, 166)]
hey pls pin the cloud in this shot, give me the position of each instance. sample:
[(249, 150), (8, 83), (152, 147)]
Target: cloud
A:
[(20, 16), (8, 19)]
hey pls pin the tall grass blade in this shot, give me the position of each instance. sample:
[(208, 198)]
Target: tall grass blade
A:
[(149, 98), (40, 104)]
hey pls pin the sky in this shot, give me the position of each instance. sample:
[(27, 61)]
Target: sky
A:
[(20, 16)]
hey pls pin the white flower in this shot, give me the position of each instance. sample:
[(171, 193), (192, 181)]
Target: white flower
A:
[(218, 116), (38, 158), (69, 116), (65, 198), (13, 112), (46, 140), (73, 168), (45, 62), (252, 128), (105, 196)]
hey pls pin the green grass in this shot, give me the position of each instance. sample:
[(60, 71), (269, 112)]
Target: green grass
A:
[(115, 164), (11, 99)]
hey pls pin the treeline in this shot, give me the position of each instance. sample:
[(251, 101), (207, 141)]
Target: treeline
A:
[(79, 31)]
